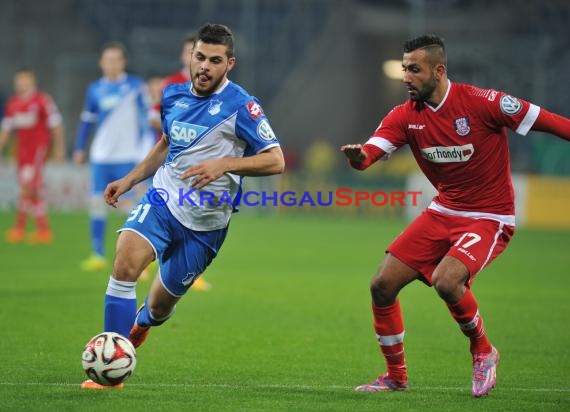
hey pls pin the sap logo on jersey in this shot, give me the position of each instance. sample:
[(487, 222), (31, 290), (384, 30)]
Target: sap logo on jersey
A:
[(448, 154), (185, 133)]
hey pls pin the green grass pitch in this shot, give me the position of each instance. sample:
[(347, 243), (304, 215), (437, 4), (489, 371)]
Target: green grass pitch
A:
[(287, 326)]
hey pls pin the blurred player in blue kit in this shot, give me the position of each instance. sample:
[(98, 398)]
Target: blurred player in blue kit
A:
[(117, 105), (214, 133)]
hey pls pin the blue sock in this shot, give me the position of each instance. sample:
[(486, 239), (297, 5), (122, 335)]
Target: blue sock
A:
[(145, 318), (120, 306), (98, 235)]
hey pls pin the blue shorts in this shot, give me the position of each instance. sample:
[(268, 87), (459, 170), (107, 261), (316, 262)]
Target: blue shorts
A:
[(183, 254), (104, 173)]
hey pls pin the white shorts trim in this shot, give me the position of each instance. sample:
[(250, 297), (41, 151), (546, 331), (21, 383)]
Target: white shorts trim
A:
[(501, 226), (123, 229), (165, 288), (505, 219)]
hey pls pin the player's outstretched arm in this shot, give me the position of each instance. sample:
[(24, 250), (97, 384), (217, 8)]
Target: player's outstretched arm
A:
[(143, 170), (552, 123), (361, 156), (354, 152), (269, 162)]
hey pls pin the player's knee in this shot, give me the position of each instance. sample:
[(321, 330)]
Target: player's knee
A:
[(382, 291), (446, 285), (125, 269)]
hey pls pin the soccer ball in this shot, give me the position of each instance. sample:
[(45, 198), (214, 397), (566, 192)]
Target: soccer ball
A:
[(109, 358)]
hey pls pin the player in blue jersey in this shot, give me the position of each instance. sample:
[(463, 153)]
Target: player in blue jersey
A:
[(214, 133), (117, 107)]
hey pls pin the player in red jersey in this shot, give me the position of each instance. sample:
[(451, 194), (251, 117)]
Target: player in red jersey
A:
[(457, 135), (35, 120), (181, 76)]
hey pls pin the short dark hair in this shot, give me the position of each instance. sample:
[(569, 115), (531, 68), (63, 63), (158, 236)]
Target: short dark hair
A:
[(434, 46), (217, 34), (115, 45)]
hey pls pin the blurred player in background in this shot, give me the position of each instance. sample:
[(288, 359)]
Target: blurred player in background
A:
[(457, 135), (34, 119), (155, 85), (117, 105), (214, 133), (181, 76)]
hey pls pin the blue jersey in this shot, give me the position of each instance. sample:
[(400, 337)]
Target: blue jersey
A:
[(119, 109), (228, 123)]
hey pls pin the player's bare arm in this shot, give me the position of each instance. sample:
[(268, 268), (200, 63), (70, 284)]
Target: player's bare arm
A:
[(354, 152), (79, 157), (266, 163), (143, 170), (4, 137), (58, 143)]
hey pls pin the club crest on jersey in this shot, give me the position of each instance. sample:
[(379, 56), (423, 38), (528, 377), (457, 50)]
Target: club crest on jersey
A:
[(462, 126), (215, 107), (189, 278), (510, 105), (183, 134)]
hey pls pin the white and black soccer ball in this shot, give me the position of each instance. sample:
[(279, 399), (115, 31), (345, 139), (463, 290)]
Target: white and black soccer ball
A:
[(109, 358)]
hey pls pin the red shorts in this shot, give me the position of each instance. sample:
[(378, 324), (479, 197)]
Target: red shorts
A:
[(31, 175), (30, 165), (433, 235)]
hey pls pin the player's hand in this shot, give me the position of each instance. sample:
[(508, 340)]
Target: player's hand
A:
[(114, 190), (205, 172), (354, 152), (79, 157)]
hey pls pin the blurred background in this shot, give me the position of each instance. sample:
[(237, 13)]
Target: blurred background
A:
[(321, 69)]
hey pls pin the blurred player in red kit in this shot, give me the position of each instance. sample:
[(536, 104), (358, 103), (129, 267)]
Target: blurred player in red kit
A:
[(34, 119), (457, 135)]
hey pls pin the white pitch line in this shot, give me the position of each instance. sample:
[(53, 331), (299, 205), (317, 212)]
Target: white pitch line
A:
[(279, 386)]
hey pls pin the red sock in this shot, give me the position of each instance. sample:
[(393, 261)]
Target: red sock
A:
[(389, 327), (22, 209), (40, 212), (466, 314)]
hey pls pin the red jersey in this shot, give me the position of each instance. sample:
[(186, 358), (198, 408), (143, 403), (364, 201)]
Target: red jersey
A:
[(461, 146), (31, 118), (181, 76)]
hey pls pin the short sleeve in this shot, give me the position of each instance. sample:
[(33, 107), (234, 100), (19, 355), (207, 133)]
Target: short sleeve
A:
[(253, 127), (503, 110), (53, 116)]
